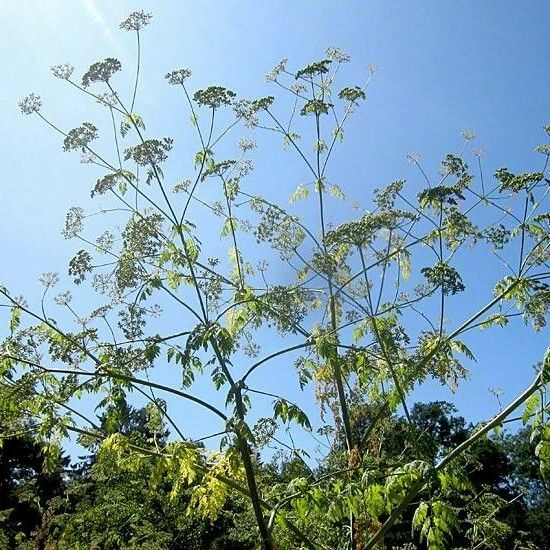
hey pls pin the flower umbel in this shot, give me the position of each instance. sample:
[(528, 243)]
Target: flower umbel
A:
[(104, 184), (214, 97), (73, 222), (80, 137), (178, 77), (63, 299), (297, 88), (30, 104), (478, 153), (276, 71), (101, 71), (247, 144), (136, 21), (108, 99), (63, 71), (248, 109), (336, 54), (151, 151), (49, 279)]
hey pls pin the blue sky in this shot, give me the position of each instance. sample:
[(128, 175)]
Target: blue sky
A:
[(442, 67)]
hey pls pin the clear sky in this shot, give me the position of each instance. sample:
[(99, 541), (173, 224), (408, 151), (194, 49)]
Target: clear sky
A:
[(442, 67)]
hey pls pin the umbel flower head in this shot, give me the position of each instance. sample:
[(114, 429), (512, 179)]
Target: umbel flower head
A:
[(178, 77), (136, 21), (276, 71), (336, 54), (214, 97), (49, 279), (468, 135), (101, 71), (151, 151), (108, 99), (80, 137), (73, 222), (104, 184), (63, 71), (247, 144), (30, 104)]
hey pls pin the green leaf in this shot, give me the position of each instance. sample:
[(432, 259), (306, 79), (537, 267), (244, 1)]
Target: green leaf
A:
[(229, 226), (289, 138), (546, 367), (338, 133), (457, 345), (336, 192), (531, 406), (289, 412), (129, 121), (174, 279), (302, 192), (495, 319), (15, 318), (420, 515)]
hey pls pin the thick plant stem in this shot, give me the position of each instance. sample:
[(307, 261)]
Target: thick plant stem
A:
[(337, 372), (253, 488), (245, 453), (335, 362)]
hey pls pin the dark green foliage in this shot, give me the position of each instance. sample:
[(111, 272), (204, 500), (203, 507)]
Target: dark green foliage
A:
[(25, 488)]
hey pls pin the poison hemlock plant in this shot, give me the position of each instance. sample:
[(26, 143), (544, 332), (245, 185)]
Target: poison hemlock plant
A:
[(373, 309)]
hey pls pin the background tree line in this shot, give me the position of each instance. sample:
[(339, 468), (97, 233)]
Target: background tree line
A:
[(99, 502)]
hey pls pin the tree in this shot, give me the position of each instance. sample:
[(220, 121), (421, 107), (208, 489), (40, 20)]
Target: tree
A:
[(25, 487), (111, 503), (376, 306)]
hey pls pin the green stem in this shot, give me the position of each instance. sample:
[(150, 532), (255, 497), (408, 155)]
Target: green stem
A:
[(418, 485)]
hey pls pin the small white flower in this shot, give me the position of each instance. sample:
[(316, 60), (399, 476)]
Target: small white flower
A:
[(109, 99), (298, 88)]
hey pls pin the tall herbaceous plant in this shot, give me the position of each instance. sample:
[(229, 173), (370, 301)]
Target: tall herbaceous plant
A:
[(209, 293)]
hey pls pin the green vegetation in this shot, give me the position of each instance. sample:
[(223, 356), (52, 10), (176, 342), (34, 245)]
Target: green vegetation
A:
[(364, 310), (501, 500)]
